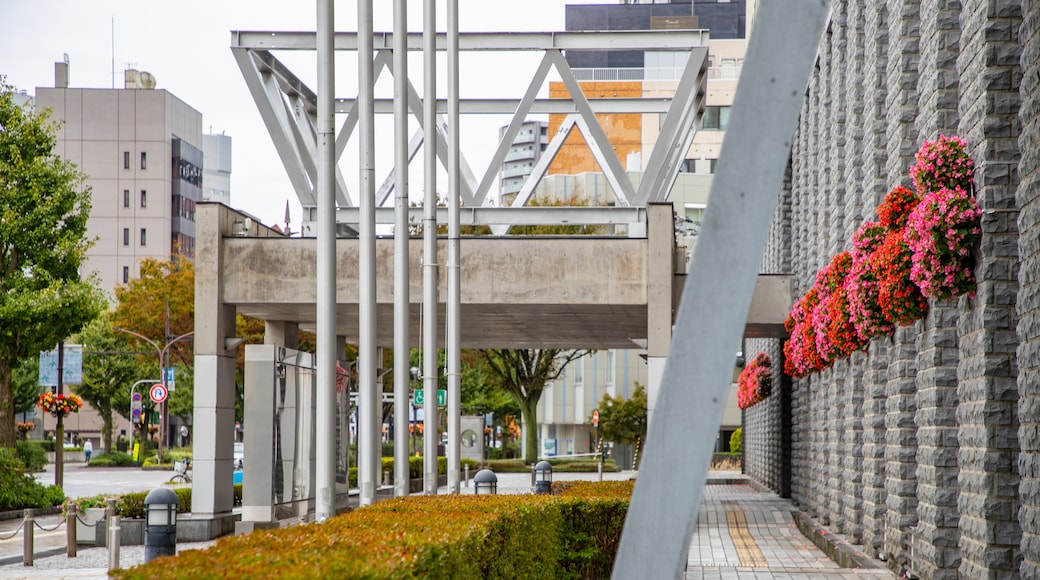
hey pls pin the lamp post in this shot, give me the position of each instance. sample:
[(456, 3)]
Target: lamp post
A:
[(162, 352)]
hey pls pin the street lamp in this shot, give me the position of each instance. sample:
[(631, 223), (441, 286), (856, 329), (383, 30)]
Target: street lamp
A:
[(162, 352)]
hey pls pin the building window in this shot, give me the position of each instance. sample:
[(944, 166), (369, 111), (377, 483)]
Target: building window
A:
[(144, 198), (144, 237), (715, 118), (126, 198), (579, 370), (126, 274), (126, 160), (144, 160), (126, 236)]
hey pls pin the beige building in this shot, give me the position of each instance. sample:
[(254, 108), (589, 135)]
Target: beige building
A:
[(141, 150)]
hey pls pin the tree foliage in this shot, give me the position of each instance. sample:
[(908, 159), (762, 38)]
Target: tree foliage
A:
[(162, 286), (43, 224), (109, 371), (523, 373), (25, 385), (623, 421)]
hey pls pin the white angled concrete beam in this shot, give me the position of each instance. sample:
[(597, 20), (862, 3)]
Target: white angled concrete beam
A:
[(663, 513)]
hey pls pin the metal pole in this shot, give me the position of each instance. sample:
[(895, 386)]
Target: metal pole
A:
[(59, 430), (453, 356), (429, 330), (369, 397), (27, 537), (325, 459), (113, 534), (401, 272)]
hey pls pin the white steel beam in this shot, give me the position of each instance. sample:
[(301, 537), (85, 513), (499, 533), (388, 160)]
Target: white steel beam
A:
[(512, 216), (539, 107), (595, 136), (487, 41), (663, 512)]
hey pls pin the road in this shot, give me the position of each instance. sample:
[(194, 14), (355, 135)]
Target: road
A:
[(83, 481)]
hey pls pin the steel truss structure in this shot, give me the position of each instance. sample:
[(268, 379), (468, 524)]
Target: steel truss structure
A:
[(289, 108)]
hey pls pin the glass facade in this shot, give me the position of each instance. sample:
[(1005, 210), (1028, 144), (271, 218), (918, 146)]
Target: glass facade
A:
[(187, 191)]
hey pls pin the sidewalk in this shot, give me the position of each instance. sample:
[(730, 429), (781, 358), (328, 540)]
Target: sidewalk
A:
[(742, 534)]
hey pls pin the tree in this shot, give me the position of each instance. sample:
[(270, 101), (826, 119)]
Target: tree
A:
[(25, 384), (623, 421), (163, 286), (43, 224), (109, 370), (523, 373)]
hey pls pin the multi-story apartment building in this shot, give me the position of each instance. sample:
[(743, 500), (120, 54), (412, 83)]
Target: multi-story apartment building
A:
[(522, 156), (141, 150), (567, 404), (216, 172)]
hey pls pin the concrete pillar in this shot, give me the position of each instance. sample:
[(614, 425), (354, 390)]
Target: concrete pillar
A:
[(659, 297), (1028, 306), (989, 64), (261, 382), (214, 410)]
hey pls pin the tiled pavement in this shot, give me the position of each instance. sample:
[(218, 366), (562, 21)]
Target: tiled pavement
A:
[(744, 534)]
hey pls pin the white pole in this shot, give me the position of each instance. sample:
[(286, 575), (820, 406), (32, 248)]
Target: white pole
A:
[(453, 355), (429, 330), (325, 459), (401, 273), (369, 397)]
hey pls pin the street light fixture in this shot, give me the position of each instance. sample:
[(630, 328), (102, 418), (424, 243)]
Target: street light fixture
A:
[(162, 352)]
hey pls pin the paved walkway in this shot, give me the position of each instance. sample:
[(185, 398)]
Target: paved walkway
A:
[(742, 534)]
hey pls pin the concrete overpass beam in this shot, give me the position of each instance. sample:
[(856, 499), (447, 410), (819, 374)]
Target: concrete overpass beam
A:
[(659, 303)]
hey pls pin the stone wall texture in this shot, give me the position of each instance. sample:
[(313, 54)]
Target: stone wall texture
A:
[(924, 448)]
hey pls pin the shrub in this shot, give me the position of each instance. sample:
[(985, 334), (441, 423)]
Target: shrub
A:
[(447, 536), (112, 459), (736, 441), (19, 490), (33, 457)]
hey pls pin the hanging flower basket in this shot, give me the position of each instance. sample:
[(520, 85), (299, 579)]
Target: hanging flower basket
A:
[(942, 164), (900, 299), (59, 405), (755, 382), (896, 207), (940, 234), (800, 351), (861, 284), (836, 336)]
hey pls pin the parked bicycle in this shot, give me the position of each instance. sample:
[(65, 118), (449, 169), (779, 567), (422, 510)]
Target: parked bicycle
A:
[(180, 469)]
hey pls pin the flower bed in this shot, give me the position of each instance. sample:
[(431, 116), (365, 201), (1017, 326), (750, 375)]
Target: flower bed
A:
[(447, 536)]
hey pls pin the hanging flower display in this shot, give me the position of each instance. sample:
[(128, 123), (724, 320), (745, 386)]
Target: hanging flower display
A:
[(940, 233), (900, 299), (801, 354), (896, 207), (861, 284), (836, 336), (59, 405), (755, 382), (942, 164)]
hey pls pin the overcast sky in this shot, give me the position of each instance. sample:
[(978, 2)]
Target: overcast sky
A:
[(184, 44)]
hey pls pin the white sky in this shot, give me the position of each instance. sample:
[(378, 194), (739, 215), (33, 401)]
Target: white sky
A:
[(184, 44)]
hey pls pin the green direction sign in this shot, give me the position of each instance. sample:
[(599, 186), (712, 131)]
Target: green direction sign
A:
[(419, 397)]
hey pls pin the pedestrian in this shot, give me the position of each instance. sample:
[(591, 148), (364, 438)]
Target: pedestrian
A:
[(88, 447)]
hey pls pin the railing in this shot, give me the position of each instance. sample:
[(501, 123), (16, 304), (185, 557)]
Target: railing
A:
[(727, 72), (71, 521)]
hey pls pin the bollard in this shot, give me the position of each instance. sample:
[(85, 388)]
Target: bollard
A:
[(465, 478), (70, 531), (599, 468), (113, 542), (532, 477), (27, 538), (386, 478), (160, 527), (113, 536)]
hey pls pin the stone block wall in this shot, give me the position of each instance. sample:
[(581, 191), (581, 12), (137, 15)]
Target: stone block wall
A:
[(926, 446)]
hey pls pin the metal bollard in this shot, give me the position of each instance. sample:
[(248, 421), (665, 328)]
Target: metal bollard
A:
[(599, 468), (465, 478), (27, 537), (113, 542), (113, 538), (532, 477), (70, 531)]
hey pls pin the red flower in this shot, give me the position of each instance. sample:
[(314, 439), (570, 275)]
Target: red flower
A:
[(755, 382), (900, 299), (895, 209)]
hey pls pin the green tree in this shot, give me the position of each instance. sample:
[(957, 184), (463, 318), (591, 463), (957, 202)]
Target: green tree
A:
[(623, 421), (163, 286), (25, 383), (522, 374), (43, 224), (109, 370)]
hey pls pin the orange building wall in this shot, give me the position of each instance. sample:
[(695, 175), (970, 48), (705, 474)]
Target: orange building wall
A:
[(624, 131)]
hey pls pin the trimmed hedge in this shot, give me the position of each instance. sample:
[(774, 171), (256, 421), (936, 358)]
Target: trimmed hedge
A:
[(112, 459), (573, 535), (131, 505), (559, 465)]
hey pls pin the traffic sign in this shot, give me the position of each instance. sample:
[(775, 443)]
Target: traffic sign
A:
[(595, 417), (158, 392), (419, 397), (135, 407)]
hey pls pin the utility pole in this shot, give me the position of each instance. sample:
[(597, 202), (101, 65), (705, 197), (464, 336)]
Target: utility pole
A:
[(59, 432)]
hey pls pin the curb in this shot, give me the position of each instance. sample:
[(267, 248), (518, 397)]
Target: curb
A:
[(835, 546), (7, 560), (19, 514)]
